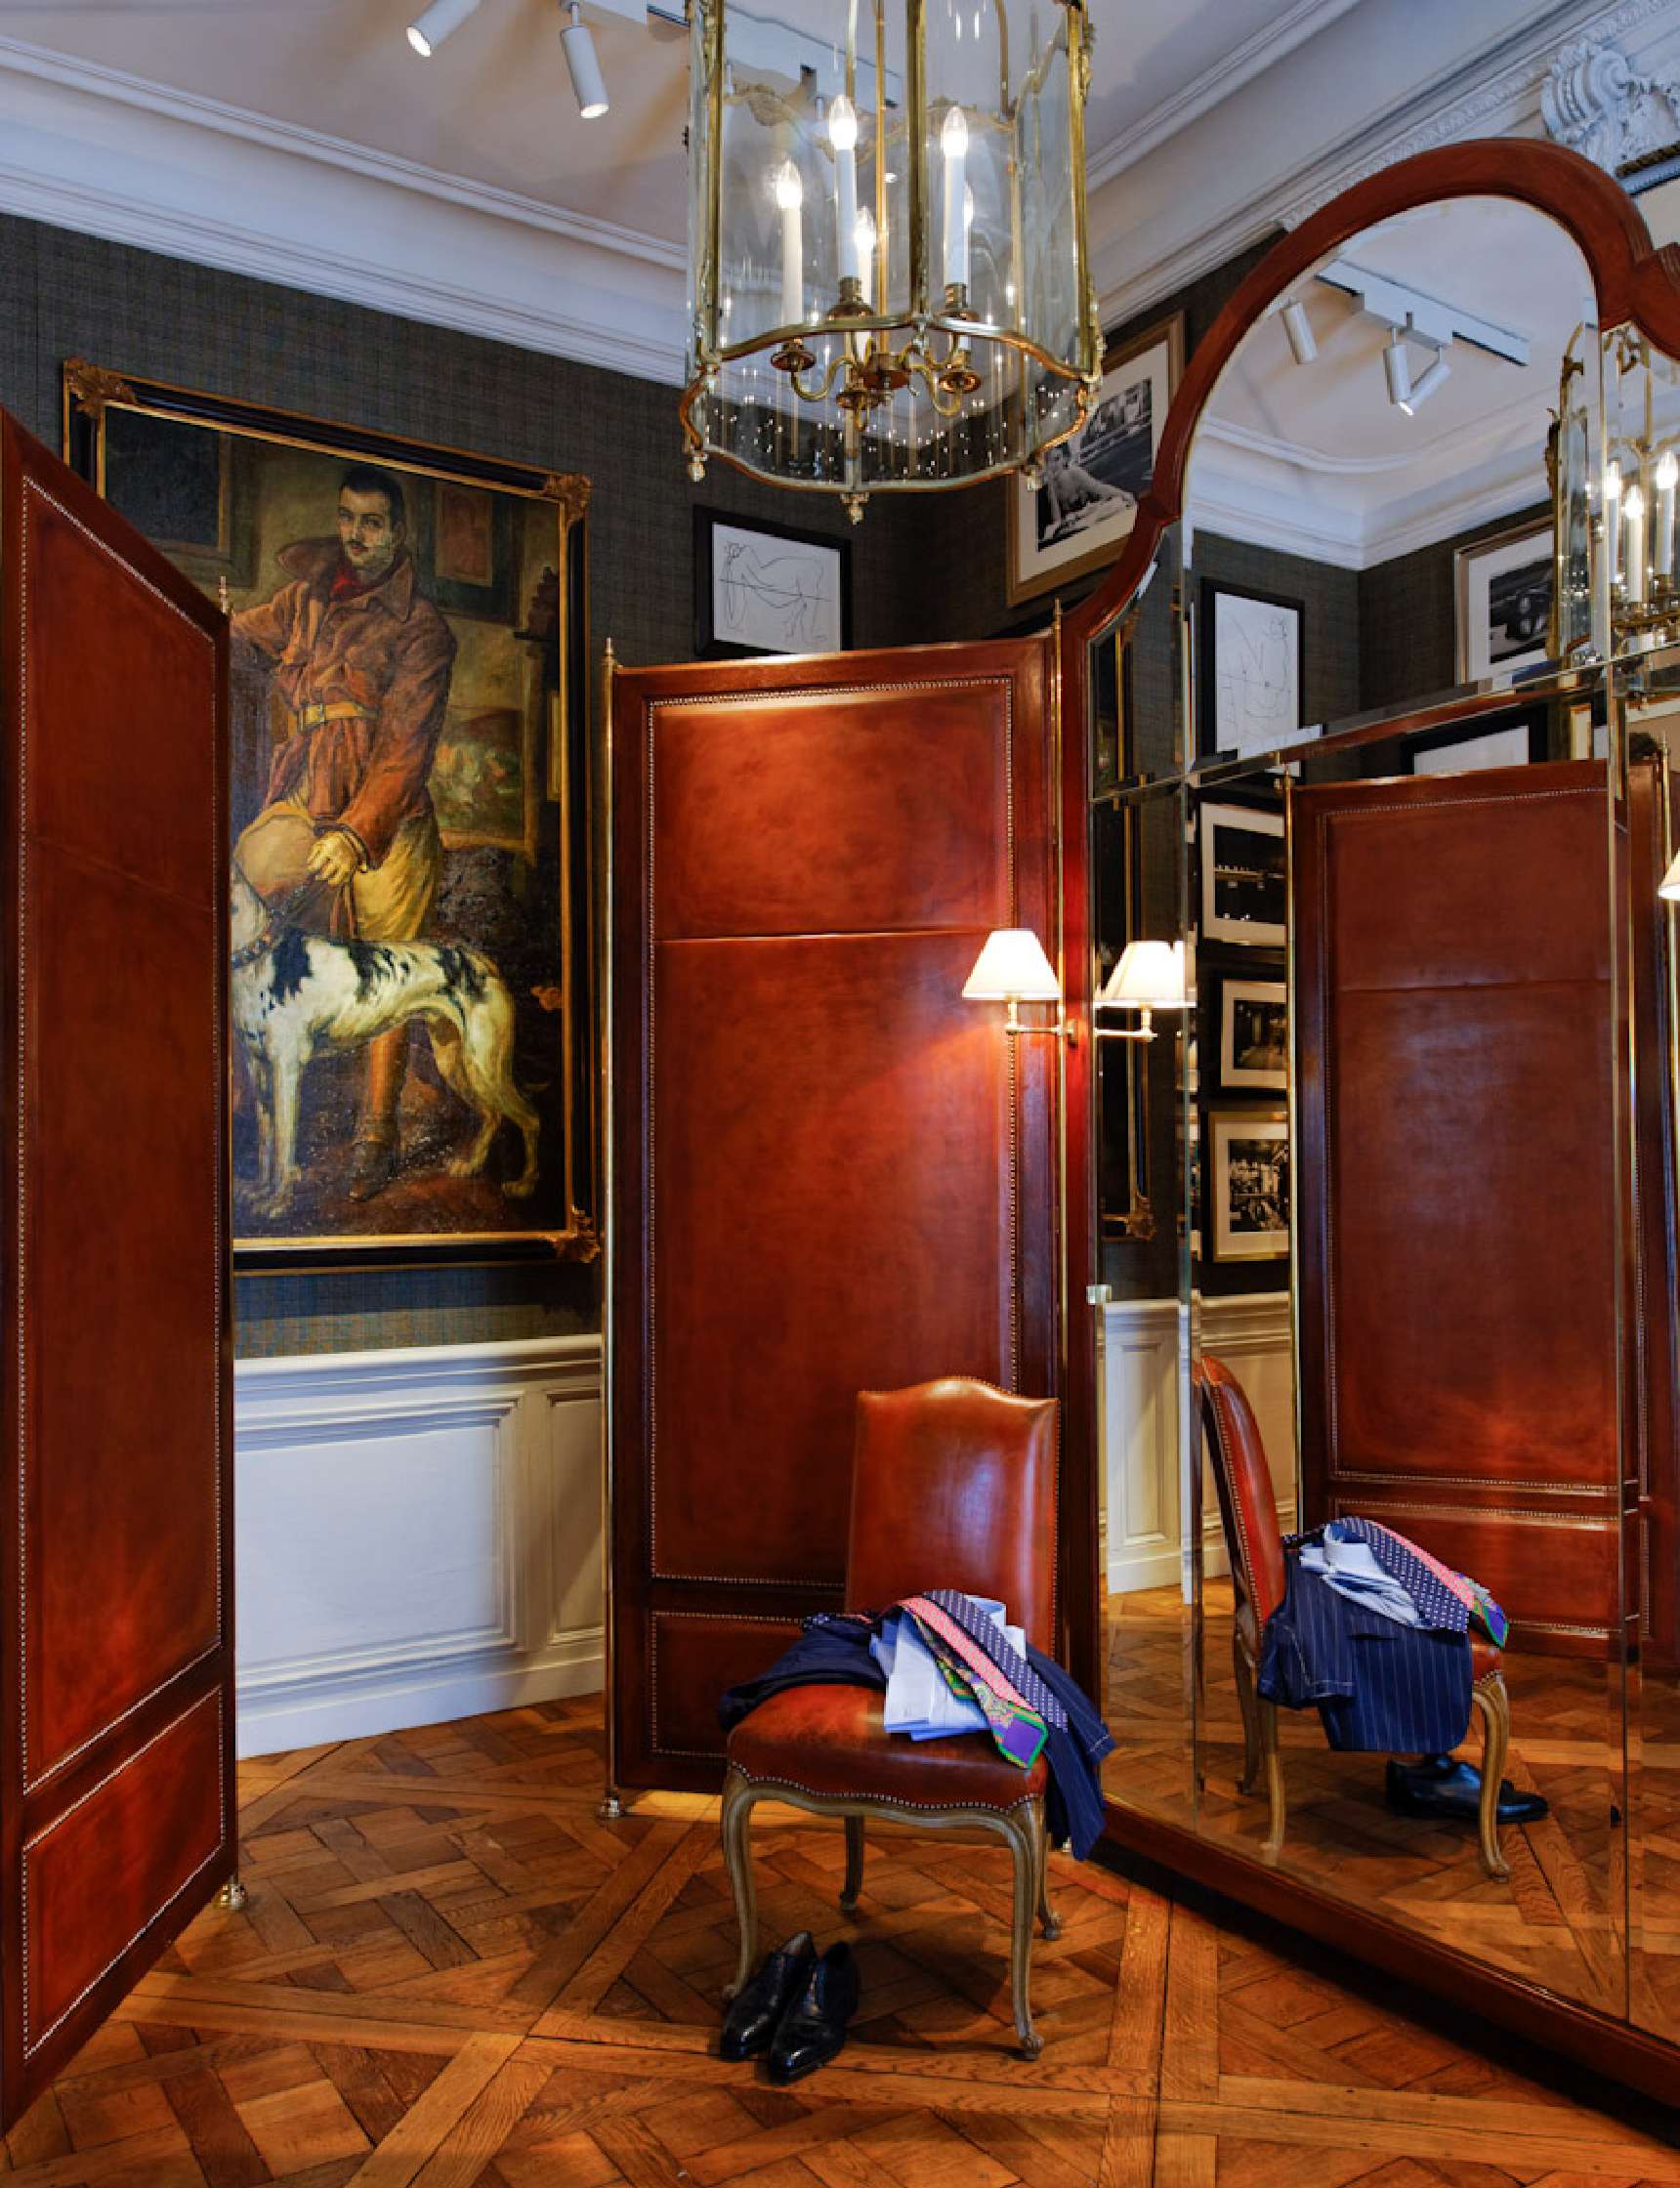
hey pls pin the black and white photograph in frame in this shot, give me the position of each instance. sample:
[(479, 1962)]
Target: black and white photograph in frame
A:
[(1244, 877), (1079, 516), (1253, 1035), (769, 589), (1504, 602), (1250, 662), (1248, 1166)]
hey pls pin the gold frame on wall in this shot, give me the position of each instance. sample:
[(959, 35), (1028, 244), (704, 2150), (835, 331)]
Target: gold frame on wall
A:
[(554, 713)]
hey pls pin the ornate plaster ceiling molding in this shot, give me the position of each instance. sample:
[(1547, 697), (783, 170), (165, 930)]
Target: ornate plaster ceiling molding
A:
[(1596, 101)]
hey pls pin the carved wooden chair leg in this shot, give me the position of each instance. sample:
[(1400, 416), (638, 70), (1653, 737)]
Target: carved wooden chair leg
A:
[(1024, 1828), (1049, 1921), (1492, 1704), (1249, 1702), (738, 1798), (1275, 1796), (854, 1883)]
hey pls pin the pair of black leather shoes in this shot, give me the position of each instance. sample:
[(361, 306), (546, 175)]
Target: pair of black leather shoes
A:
[(795, 2009), (1437, 1786)]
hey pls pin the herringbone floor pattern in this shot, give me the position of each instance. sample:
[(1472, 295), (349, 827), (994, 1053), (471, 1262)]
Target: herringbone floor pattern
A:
[(452, 1975)]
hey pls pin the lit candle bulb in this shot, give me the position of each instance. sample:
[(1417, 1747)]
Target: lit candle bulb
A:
[(954, 143), (868, 240), (1612, 522), (843, 135), (1633, 543), (1663, 542), (791, 196)]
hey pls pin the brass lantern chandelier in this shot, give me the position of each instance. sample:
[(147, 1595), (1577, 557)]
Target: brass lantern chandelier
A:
[(887, 255)]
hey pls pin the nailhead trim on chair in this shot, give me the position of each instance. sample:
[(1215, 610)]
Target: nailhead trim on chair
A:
[(889, 1800)]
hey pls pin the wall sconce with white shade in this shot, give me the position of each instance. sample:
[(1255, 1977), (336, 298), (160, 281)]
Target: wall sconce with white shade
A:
[(1147, 976), (1013, 969)]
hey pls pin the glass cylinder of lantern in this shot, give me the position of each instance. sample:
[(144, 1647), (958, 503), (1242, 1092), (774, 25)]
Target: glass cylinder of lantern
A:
[(890, 283)]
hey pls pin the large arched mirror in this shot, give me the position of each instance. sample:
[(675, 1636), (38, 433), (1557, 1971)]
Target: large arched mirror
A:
[(1385, 1127)]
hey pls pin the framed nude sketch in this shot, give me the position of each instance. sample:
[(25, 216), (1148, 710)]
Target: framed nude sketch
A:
[(413, 984), (768, 589)]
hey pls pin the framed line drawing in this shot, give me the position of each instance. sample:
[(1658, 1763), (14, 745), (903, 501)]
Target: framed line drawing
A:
[(410, 796), (1249, 658), (768, 589)]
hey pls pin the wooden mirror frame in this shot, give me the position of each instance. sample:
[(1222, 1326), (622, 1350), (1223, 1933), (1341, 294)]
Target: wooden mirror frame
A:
[(1633, 282)]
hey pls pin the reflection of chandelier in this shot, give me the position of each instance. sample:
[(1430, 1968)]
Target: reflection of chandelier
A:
[(888, 259), (1631, 511)]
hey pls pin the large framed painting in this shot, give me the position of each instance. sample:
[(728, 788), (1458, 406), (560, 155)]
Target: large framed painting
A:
[(413, 1034), (769, 589), (1080, 515)]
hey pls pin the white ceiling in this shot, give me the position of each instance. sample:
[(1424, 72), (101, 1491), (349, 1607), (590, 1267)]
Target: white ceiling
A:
[(1313, 457), (493, 107)]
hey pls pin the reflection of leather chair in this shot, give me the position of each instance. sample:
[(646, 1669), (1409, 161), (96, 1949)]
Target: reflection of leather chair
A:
[(954, 1485), (1254, 1541)]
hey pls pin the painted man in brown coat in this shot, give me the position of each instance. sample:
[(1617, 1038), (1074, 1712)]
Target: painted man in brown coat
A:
[(362, 660)]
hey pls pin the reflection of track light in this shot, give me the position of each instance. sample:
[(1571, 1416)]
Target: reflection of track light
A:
[(1299, 328), (1397, 366), (587, 81), (1433, 375), (427, 32)]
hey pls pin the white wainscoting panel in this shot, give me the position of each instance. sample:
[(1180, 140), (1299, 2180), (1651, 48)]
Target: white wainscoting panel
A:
[(1139, 1358), (419, 1536)]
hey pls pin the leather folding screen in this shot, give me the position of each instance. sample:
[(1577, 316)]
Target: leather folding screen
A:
[(1459, 1101), (830, 1171), (116, 1722)]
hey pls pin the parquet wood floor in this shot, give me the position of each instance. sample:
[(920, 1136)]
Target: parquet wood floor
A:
[(1558, 1921), (452, 1974)]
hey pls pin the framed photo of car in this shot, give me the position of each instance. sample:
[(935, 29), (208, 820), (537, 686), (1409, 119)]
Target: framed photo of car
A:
[(1079, 515), (410, 809), (1504, 592)]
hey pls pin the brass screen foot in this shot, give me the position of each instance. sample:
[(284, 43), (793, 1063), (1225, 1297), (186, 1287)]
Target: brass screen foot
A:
[(233, 1897)]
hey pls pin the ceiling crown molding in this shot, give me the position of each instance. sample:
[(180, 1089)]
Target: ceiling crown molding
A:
[(1597, 103), (109, 154)]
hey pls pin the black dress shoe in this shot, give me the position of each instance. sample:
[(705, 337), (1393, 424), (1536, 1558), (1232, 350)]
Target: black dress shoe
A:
[(813, 2030), (761, 2002), (1437, 1786)]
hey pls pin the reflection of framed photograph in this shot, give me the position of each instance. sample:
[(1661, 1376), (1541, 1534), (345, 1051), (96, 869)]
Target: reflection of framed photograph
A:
[(1508, 741), (1079, 516), (1252, 1019), (409, 691), (1244, 877), (768, 589), (1504, 602), (1248, 1165), (1251, 671)]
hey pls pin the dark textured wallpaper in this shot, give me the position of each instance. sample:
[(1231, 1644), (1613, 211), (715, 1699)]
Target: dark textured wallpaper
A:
[(65, 295)]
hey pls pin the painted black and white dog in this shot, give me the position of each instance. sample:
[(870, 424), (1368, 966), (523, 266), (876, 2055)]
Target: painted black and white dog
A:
[(295, 994)]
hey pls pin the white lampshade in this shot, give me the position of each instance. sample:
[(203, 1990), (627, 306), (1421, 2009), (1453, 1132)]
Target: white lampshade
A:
[(1668, 886), (1012, 965), (1147, 976)]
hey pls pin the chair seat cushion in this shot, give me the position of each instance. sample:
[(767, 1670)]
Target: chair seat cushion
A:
[(830, 1740), (1486, 1657)]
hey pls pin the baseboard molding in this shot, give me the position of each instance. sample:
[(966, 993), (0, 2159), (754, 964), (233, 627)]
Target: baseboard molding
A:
[(419, 1536)]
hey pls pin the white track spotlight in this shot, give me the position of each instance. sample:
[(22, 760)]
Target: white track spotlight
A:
[(427, 32), (1303, 343), (587, 81), (1397, 366), (1431, 378)]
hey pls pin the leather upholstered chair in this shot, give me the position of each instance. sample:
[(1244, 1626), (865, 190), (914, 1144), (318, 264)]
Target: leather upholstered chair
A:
[(1254, 1541), (954, 1485)]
